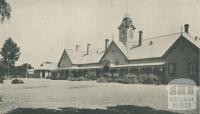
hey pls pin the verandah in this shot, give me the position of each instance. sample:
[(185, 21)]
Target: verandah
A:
[(118, 70)]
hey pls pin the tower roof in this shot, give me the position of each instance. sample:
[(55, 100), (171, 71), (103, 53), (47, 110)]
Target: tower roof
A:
[(127, 22)]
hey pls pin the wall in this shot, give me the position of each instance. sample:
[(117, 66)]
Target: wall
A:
[(115, 54), (182, 53), (65, 61)]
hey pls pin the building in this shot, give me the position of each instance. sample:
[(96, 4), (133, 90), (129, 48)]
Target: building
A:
[(169, 56), (45, 70)]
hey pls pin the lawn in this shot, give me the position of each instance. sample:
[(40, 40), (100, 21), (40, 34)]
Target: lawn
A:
[(42, 96)]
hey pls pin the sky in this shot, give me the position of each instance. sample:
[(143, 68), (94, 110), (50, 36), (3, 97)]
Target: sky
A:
[(44, 28)]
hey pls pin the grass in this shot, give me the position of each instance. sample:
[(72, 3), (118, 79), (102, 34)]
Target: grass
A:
[(43, 96)]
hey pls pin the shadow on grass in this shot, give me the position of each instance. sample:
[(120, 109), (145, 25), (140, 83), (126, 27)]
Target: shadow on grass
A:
[(122, 109)]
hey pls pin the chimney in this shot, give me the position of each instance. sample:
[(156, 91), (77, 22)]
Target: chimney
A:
[(77, 47), (88, 48), (186, 26), (106, 43), (140, 38)]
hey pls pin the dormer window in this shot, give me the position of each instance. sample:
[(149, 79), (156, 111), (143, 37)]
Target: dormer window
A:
[(151, 43)]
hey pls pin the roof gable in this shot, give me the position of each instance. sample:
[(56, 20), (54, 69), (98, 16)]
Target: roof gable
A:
[(65, 60), (81, 57), (118, 46), (191, 39)]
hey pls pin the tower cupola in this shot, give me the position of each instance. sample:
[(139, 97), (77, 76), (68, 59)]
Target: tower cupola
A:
[(126, 31)]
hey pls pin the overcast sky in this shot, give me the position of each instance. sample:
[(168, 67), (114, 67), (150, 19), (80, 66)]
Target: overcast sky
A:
[(43, 28)]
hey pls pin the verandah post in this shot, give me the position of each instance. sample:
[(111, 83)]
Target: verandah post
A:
[(118, 71), (64, 73), (69, 73), (128, 70)]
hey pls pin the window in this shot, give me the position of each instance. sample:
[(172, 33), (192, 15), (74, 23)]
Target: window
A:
[(172, 68), (192, 68), (122, 34), (131, 33)]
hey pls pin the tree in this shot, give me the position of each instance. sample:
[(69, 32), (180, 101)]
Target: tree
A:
[(22, 69), (10, 52), (5, 10)]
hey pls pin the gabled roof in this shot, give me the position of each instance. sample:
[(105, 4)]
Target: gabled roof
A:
[(151, 48), (81, 57), (119, 45), (192, 39), (154, 47)]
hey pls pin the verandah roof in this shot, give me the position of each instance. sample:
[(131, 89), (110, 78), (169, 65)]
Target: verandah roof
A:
[(116, 66), (139, 65), (79, 68)]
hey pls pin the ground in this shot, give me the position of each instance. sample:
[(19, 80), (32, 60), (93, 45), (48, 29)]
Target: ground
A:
[(43, 96)]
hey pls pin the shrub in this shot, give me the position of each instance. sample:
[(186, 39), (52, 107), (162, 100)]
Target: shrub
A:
[(78, 78), (72, 79), (104, 80), (101, 80), (108, 75), (119, 80), (81, 78), (148, 79), (130, 79), (115, 75), (91, 75), (17, 81)]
